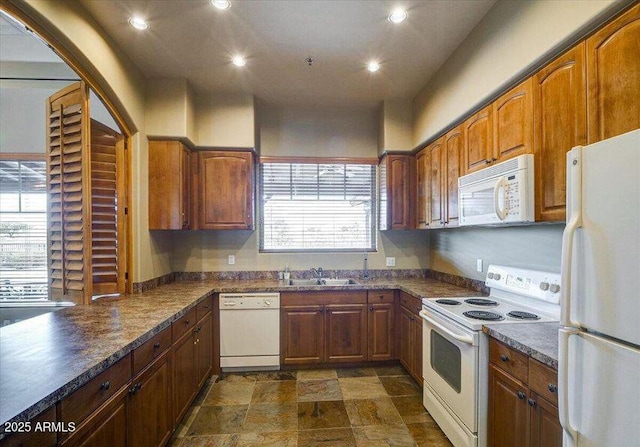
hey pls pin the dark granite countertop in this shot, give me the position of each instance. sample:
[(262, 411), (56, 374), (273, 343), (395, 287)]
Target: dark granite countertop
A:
[(537, 340), (45, 358)]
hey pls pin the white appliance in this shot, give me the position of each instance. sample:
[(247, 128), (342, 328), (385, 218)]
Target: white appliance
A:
[(497, 195), (599, 355), (456, 351), (249, 331)]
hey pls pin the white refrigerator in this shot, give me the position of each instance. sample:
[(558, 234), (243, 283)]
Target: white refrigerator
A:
[(599, 345)]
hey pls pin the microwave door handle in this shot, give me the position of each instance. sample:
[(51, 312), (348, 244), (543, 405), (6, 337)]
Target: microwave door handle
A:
[(463, 338), (500, 212)]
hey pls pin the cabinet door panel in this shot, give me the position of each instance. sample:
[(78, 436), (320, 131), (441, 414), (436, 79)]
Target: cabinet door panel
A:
[(302, 335), (185, 188), (406, 341), (478, 140), (423, 196), (380, 328), (454, 146), (513, 122), (399, 178), (416, 349), (508, 411), (149, 421), (346, 332), (106, 426), (204, 349), (560, 93), (546, 430), (613, 74), (436, 172), (184, 375), (226, 190)]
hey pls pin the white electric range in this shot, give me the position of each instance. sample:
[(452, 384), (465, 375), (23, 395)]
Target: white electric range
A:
[(456, 351)]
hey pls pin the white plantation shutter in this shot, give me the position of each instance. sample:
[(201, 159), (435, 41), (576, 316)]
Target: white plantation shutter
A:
[(317, 206)]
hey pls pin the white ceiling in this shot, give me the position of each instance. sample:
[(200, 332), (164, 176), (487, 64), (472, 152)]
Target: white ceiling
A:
[(193, 40)]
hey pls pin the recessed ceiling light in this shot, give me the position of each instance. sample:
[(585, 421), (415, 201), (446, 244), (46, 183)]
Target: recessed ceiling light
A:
[(373, 66), (239, 61), (398, 16), (138, 23), (221, 4)]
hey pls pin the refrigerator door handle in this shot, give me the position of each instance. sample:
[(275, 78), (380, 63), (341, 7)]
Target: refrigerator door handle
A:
[(563, 381), (574, 221)]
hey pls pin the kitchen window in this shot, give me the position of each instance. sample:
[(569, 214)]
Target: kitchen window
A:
[(311, 206), (23, 229)]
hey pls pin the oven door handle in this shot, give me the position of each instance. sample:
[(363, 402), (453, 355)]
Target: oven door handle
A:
[(463, 338)]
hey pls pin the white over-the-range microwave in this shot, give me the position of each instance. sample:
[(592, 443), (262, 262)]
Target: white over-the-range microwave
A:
[(498, 195)]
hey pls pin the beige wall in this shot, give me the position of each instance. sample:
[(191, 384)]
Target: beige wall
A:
[(73, 28), (395, 126), (513, 36), (169, 109), (225, 120), (456, 250), (317, 132), (198, 251)]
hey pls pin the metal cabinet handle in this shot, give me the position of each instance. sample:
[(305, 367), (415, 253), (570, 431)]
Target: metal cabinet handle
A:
[(532, 403), (135, 388), (105, 385), (504, 358), (371, 309), (187, 322), (487, 161), (156, 345), (553, 388), (521, 395)]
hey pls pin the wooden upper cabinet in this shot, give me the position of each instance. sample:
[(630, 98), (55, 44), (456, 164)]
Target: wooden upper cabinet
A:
[(396, 192), (436, 170), (560, 123), (226, 193), (613, 75), (452, 160), (169, 186), (513, 122), (423, 195), (478, 140)]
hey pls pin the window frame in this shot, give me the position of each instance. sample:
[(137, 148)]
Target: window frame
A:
[(316, 161), (21, 157)]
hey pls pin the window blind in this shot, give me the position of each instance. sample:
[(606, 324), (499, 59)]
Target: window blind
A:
[(23, 230), (317, 206)]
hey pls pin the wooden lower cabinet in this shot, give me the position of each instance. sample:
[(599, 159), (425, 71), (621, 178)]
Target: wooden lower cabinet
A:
[(184, 368), (301, 334), (346, 333), (381, 329), (522, 411), (508, 410), (410, 336), (149, 422), (204, 349), (29, 438), (106, 426), (338, 327)]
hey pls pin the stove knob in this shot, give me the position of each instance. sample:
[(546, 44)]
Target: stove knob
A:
[(496, 276), (544, 286), (490, 275), (555, 288)]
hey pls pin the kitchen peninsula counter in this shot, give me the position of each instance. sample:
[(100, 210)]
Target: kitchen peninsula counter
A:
[(45, 358)]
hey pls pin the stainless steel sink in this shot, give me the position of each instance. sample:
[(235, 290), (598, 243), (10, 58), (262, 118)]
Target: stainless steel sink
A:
[(322, 282)]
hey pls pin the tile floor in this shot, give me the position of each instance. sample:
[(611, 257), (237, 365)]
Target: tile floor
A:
[(327, 407)]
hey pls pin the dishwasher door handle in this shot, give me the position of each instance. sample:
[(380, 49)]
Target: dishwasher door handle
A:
[(229, 303)]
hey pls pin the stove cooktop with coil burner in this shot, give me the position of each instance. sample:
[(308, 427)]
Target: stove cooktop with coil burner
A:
[(517, 296)]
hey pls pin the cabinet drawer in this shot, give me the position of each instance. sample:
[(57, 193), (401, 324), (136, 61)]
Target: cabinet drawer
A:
[(150, 349), (411, 302), (78, 405), (204, 307), (184, 324), (509, 360), (543, 380), (380, 296)]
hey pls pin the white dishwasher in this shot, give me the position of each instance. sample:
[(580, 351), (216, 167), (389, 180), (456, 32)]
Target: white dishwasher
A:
[(249, 331)]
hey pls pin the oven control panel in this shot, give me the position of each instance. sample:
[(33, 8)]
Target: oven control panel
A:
[(544, 286)]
